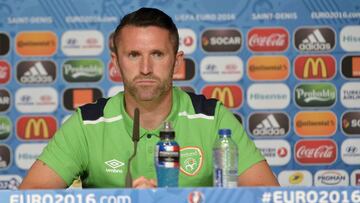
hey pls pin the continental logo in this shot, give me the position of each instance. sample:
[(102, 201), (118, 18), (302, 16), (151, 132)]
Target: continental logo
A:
[(351, 123), (75, 97), (36, 43), (36, 72), (186, 71), (315, 67), (268, 39), (315, 95), (350, 67), (314, 39), (4, 43), (221, 40), (5, 71), (83, 70), (36, 127), (315, 123), (5, 128), (268, 68), (230, 95)]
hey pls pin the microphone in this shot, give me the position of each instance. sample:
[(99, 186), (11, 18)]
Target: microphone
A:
[(135, 139)]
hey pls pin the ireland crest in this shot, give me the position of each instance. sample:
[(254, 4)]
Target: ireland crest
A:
[(191, 160)]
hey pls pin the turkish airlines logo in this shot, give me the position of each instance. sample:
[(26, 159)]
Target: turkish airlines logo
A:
[(4, 44), (315, 123), (315, 39), (269, 125), (351, 123), (36, 43), (5, 100), (276, 152), (268, 39), (4, 72), (5, 156), (331, 178), (84, 70), (263, 68), (315, 95), (349, 38), (36, 72), (82, 43), (36, 127), (315, 152), (224, 40), (225, 68), (350, 94), (187, 40), (76, 97), (268, 96), (350, 67), (230, 95), (186, 71), (315, 67)]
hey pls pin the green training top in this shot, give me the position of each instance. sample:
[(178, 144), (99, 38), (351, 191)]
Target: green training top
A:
[(95, 142)]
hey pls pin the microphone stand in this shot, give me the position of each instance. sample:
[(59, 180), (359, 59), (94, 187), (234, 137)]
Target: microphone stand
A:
[(135, 139)]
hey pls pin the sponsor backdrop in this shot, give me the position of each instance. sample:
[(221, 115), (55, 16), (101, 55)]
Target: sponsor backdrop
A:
[(289, 70)]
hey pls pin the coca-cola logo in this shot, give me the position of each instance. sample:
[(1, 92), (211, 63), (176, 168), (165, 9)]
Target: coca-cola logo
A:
[(268, 39), (315, 152)]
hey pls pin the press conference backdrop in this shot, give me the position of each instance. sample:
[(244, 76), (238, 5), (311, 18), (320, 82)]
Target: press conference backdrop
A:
[(288, 69)]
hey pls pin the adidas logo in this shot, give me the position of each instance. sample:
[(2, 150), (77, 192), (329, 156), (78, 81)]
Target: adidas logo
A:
[(269, 127), (36, 74), (315, 41)]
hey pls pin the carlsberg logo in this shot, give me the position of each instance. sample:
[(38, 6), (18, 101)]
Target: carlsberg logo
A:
[(315, 95), (89, 70)]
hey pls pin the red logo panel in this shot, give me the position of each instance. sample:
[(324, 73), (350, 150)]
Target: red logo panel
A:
[(36, 127), (315, 67), (4, 72), (315, 152), (268, 39), (230, 95)]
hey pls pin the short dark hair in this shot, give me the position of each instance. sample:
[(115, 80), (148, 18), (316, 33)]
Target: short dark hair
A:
[(144, 17)]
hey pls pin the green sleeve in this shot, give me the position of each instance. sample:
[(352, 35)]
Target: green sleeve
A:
[(66, 152), (248, 153)]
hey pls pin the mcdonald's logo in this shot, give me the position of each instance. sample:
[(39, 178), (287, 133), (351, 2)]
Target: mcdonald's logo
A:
[(36, 128), (315, 67), (230, 95)]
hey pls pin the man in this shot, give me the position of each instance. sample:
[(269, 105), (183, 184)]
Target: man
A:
[(95, 143)]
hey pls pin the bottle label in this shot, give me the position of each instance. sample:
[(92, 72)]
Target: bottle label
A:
[(218, 177), (167, 156)]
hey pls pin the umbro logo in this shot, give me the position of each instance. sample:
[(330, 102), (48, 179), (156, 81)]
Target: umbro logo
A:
[(315, 39), (114, 165), (36, 72), (269, 124)]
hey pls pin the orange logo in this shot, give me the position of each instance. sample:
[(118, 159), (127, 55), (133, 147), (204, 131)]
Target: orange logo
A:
[(315, 124), (268, 68), (82, 96), (230, 96), (36, 43)]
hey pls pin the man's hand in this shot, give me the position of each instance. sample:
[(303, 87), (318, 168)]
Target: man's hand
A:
[(143, 182)]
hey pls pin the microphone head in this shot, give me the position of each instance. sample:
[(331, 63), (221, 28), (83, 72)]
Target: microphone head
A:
[(136, 126)]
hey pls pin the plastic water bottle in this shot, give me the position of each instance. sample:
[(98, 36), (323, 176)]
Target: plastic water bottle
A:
[(225, 157), (167, 157)]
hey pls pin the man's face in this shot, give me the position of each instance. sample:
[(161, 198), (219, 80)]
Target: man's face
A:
[(146, 60)]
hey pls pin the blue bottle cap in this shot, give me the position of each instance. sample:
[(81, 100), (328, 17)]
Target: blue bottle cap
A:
[(225, 132)]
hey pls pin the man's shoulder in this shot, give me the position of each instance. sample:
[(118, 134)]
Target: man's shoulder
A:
[(200, 103)]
